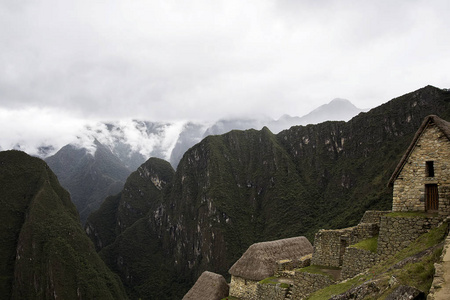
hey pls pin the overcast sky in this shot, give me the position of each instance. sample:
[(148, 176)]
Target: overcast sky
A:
[(205, 59)]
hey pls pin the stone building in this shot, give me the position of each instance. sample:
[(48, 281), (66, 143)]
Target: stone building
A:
[(260, 261), (421, 181)]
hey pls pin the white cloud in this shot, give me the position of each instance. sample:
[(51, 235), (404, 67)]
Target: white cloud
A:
[(29, 129), (176, 60)]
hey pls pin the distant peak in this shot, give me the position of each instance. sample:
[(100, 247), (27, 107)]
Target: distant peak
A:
[(340, 100)]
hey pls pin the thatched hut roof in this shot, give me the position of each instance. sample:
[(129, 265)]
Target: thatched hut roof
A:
[(209, 286), (259, 261), (443, 125)]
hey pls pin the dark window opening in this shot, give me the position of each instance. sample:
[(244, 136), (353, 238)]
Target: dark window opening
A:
[(430, 169)]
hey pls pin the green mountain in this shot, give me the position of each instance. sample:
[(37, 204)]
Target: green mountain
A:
[(89, 178), (232, 190), (45, 253), (142, 192)]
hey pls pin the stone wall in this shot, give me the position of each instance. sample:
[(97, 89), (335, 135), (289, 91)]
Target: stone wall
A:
[(396, 233), (373, 216), (329, 245), (409, 187), (307, 283), (356, 261), (271, 292), (243, 288)]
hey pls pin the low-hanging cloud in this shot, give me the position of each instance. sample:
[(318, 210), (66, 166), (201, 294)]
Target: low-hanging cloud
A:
[(202, 60)]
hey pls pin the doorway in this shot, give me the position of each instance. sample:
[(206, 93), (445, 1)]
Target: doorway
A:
[(344, 244), (431, 197)]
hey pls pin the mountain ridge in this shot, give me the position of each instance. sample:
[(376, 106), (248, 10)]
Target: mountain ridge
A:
[(232, 190), (123, 146), (45, 253)]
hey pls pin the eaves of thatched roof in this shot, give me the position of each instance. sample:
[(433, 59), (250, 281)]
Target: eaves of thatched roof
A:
[(259, 261), (209, 286), (443, 125)]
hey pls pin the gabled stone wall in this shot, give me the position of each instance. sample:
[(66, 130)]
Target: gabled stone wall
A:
[(243, 288), (290, 265), (409, 187)]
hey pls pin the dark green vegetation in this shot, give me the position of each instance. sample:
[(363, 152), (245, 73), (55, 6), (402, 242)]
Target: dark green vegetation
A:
[(232, 190), (89, 178), (413, 266), (143, 192), (128, 242), (44, 251)]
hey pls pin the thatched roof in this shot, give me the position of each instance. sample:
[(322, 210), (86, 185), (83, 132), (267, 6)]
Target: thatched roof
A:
[(259, 261), (443, 125), (209, 286)]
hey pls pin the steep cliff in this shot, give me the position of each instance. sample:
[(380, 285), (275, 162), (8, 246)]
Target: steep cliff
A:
[(89, 177), (143, 192), (45, 253)]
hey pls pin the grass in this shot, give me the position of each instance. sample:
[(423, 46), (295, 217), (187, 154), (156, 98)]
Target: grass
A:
[(367, 244), (336, 289), (274, 281), (318, 270), (418, 274), (411, 214)]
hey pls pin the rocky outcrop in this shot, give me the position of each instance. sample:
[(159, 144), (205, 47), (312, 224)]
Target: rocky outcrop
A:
[(405, 292), (367, 289)]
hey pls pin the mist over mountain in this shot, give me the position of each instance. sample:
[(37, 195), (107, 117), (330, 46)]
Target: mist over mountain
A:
[(134, 141), (89, 176), (337, 110), (96, 164)]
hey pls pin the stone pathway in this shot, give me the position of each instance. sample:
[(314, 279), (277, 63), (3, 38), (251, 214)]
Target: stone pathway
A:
[(440, 289)]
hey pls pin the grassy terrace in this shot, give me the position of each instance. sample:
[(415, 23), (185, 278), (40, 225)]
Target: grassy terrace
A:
[(412, 214), (274, 280), (417, 273), (331, 272), (368, 244)]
